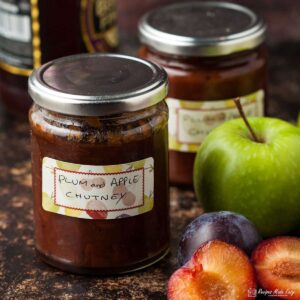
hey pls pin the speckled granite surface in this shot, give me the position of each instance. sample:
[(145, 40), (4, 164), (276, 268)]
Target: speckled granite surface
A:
[(24, 276)]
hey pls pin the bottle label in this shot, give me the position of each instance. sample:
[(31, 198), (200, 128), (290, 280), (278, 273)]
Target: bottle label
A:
[(15, 23), (19, 36), (191, 121), (98, 192), (99, 24)]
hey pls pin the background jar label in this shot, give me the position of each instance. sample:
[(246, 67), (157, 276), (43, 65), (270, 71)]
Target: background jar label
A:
[(98, 192), (99, 24), (191, 121)]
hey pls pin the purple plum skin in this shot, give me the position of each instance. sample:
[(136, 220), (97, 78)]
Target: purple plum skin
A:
[(226, 226)]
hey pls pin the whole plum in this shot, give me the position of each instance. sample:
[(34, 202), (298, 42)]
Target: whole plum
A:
[(226, 226)]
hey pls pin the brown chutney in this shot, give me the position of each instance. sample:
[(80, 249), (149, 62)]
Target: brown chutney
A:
[(212, 52), (100, 163)]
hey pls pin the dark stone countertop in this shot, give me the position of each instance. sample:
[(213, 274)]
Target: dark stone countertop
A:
[(24, 276)]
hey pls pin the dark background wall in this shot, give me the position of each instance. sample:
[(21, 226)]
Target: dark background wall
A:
[(282, 16), (283, 20)]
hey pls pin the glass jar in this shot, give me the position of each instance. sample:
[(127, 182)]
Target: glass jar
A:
[(100, 163), (33, 32), (213, 52)]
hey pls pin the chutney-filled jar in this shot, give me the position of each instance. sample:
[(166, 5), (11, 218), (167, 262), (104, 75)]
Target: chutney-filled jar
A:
[(100, 163), (212, 52)]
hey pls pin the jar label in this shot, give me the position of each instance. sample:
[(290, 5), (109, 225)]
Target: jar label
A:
[(19, 36), (99, 24), (191, 121), (98, 192)]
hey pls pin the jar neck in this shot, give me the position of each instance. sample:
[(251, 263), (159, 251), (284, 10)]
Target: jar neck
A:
[(114, 130), (40, 116), (125, 115), (188, 62)]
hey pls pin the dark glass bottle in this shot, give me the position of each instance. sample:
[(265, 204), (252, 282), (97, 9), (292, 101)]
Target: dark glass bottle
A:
[(33, 32)]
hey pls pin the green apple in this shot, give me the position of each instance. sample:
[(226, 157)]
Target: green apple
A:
[(260, 180)]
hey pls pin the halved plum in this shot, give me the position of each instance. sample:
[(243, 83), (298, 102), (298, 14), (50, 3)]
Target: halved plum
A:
[(277, 265), (217, 271)]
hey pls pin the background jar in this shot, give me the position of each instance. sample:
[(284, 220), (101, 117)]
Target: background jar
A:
[(212, 52), (100, 118)]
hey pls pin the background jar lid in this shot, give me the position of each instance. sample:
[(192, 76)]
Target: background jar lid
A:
[(98, 84), (202, 29)]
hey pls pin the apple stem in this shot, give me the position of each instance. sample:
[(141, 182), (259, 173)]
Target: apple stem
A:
[(238, 104)]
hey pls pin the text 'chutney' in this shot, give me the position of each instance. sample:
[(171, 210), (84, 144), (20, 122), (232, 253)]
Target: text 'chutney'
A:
[(100, 163), (212, 52)]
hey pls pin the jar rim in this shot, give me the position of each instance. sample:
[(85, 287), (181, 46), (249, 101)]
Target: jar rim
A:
[(202, 29), (98, 84)]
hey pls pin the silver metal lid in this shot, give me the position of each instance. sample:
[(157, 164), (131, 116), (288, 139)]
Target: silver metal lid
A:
[(202, 29), (98, 84)]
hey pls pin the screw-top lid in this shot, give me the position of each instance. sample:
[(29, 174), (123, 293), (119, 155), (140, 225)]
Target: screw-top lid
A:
[(98, 84), (202, 29)]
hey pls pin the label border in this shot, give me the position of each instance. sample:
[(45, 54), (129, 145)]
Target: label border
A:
[(91, 173)]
